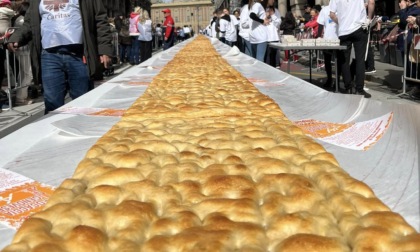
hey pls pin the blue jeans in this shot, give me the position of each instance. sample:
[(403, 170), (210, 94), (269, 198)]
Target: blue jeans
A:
[(135, 50), (125, 51), (247, 47), (258, 51), (59, 72)]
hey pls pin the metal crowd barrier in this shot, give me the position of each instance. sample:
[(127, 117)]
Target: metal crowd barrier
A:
[(411, 58), (18, 74)]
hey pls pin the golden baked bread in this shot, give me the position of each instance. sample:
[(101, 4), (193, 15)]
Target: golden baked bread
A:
[(204, 162)]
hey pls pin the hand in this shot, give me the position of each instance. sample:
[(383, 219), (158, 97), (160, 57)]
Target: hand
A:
[(165, 38), (266, 21), (411, 20), (12, 46), (365, 25), (105, 60)]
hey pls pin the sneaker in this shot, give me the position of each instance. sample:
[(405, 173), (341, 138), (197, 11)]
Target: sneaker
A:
[(364, 93), (370, 71)]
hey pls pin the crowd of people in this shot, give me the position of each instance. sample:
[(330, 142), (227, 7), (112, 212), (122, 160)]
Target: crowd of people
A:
[(258, 23), (86, 48), (64, 54)]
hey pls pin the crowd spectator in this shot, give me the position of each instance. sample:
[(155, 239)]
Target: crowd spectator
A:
[(159, 34), (24, 60), (180, 34), (327, 29), (312, 24), (6, 15), (407, 8), (307, 15), (258, 35), (288, 26), (227, 28), (145, 29), (124, 40), (169, 30), (415, 21), (187, 32), (239, 44), (134, 34), (245, 23), (273, 15), (59, 53), (213, 24), (352, 30)]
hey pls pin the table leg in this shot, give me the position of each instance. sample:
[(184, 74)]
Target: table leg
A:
[(337, 78), (310, 66), (288, 61)]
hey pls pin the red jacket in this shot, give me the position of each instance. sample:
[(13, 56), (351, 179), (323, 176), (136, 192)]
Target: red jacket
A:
[(313, 23), (169, 25)]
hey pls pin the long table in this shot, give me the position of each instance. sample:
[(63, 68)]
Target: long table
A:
[(49, 150), (284, 47)]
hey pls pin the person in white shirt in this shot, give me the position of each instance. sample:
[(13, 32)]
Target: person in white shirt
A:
[(227, 29), (259, 33), (328, 29), (273, 33), (187, 32), (353, 25), (239, 42), (245, 28), (145, 36)]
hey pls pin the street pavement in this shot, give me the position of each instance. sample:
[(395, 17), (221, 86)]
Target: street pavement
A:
[(385, 85)]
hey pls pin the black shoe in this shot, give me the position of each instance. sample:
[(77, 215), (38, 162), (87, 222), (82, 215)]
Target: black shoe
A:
[(347, 90), (364, 93), (328, 84), (370, 71)]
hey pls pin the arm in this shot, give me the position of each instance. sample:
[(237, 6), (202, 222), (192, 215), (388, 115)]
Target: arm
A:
[(103, 33), (23, 35), (333, 16), (371, 8), (320, 30), (254, 17), (311, 24)]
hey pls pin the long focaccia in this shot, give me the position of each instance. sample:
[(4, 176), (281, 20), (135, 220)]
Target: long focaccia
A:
[(204, 162)]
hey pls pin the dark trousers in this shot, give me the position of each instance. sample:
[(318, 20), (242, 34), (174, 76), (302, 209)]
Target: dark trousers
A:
[(125, 51), (169, 42), (145, 50), (370, 60), (357, 39), (271, 56)]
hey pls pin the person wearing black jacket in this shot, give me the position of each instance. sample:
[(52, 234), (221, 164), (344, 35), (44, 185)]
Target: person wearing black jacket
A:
[(57, 53), (288, 26)]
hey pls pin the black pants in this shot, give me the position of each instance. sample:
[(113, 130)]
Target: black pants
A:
[(145, 50), (271, 56), (357, 39), (370, 60)]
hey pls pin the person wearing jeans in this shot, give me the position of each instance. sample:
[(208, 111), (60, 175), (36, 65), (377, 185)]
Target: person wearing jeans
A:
[(57, 53), (259, 33), (352, 31), (53, 65)]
